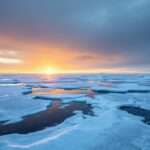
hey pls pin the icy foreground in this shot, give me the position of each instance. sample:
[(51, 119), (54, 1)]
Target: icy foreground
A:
[(75, 112)]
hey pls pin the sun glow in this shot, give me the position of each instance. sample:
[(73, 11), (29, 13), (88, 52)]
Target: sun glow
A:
[(50, 70)]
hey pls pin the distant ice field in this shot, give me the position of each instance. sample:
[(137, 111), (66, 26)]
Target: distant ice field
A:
[(75, 112)]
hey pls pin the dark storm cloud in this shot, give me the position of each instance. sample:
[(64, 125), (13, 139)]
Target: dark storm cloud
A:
[(98, 26)]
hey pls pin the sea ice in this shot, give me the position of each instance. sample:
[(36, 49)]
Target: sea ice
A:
[(75, 112)]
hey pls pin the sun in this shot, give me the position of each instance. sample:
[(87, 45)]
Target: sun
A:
[(50, 70)]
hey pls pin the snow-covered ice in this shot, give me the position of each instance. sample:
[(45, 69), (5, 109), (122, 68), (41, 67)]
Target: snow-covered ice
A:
[(75, 112)]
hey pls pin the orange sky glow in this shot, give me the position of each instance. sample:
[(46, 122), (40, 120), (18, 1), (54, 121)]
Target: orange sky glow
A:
[(74, 37), (32, 57)]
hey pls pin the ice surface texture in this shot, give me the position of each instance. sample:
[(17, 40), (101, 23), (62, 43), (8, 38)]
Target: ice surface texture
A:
[(70, 112)]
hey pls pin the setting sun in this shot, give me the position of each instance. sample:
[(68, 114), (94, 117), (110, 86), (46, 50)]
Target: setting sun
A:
[(50, 70)]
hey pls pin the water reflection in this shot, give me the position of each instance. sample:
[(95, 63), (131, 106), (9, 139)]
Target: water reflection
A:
[(52, 116), (46, 91), (40, 91)]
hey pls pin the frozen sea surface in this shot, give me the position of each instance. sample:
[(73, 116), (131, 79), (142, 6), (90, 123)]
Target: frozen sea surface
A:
[(75, 112)]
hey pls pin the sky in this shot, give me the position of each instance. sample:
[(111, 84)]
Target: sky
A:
[(69, 36)]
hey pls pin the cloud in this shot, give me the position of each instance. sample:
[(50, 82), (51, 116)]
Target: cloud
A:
[(109, 27), (10, 61), (85, 58), (8, 56)]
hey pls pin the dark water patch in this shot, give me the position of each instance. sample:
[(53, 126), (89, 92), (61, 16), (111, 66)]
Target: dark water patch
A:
[(52, 116), (3, 122), (137, 111), (45, 98), (36, 86), (27, 92), (138, 91), (103, 91), (120, 92)]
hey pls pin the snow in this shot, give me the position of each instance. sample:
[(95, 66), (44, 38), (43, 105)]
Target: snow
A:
[(108, 129)]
